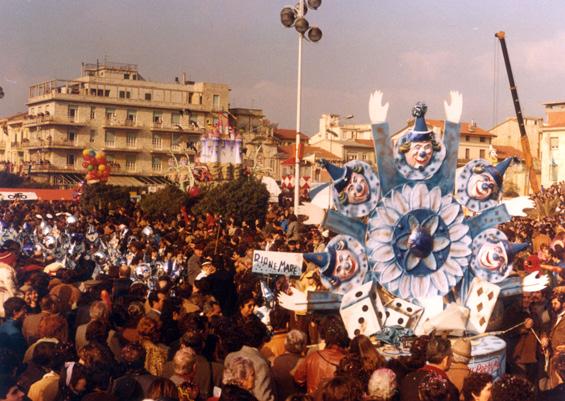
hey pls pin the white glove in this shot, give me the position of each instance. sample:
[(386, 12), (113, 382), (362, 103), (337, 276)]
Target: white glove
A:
[(453, 111), (532, 283), (377, 111), (516, 206), (297, 301), (315, 214)]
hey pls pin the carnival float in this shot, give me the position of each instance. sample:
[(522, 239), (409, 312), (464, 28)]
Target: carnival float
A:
[(417, 249)]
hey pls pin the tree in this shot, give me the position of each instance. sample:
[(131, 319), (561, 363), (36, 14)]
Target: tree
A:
[(9, 180), (166, 202), (103, 196), (245, 199)]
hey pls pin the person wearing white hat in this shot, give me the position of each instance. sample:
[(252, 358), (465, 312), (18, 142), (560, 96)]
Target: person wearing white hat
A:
[(459, 369)]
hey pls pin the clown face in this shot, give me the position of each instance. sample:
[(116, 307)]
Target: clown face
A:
[(492, 256), (357, 191), (481, 186), (419, 155), (346, 265)]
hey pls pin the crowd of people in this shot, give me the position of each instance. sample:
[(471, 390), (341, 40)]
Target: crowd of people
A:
[(215, 332)]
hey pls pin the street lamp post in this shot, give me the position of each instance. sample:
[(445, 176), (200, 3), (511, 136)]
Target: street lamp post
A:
[(294, 16)]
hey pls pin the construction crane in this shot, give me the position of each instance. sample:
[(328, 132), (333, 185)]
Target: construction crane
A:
[(523, 136)]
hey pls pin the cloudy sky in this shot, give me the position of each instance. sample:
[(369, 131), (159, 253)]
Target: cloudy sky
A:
[(412, 50)]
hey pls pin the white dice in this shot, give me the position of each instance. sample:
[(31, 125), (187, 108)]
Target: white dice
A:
[(362, 310)]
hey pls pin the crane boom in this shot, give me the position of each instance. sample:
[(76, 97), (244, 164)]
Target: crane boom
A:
[(523, 136)]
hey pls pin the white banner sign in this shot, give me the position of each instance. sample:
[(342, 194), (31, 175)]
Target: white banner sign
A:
[(10, 196), (281, 263)]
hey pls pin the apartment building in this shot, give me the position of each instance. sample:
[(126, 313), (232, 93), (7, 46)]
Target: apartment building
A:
[(139, 124), (552, 144)]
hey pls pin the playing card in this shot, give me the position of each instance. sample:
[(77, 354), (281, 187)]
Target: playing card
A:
[(481, 299)]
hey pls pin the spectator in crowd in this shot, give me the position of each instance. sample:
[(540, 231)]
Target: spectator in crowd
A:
[(513, 388), (11, 330), (239, 380), (382, 386), (459, 369), (254, 336), (477, 387), (320, 366), (283, 365)]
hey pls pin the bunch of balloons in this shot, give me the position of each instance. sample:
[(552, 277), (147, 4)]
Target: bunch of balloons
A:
[(97, 169)]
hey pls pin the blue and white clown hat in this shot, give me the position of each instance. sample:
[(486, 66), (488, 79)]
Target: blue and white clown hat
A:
[(464, 188), (419, 133), (359, 198), (492, 255), (343, 265)]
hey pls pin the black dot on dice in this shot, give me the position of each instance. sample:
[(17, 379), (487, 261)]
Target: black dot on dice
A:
[(365, 308), (387, 313), (358, 294), (409, 309), (357, 332), (398, 305), (361, 320), (400, 320)]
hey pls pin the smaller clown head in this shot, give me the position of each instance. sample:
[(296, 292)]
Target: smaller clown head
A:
[(419, 145), (350, 182), (486, 180), (492, 256), (339, 264), (346, 264)]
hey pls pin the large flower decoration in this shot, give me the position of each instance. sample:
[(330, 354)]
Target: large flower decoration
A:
[(418, 241)]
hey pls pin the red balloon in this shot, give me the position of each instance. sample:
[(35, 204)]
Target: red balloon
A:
[(85, 164)]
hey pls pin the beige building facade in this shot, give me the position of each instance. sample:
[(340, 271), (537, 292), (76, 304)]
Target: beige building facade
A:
[(345, 141), (552, 145), (139, 124)]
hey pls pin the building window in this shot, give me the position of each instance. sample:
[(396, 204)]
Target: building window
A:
[(107, 93), (92, 136), (131, 139), (73, 113), (92, 112), (126, 76), (352, 156), (70, 160), (148, 96), (175, 119), (364, 156), (157, 118), (216, 102), (175, 142), (109, 139), (131, 117), (194, 121), (93, 91), (482, 139), (125, 94), (215, 121), (156, 141), (110, 114), (467, 154), (156, 164), (130, 163), (482, 153), (467, 138), (71, 137)]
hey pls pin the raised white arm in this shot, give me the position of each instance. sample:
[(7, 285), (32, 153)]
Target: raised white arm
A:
[(454, 109), (377, 110)]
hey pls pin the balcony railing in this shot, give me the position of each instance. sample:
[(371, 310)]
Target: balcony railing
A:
[(127, 123), (49, 143), (51, 120)]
